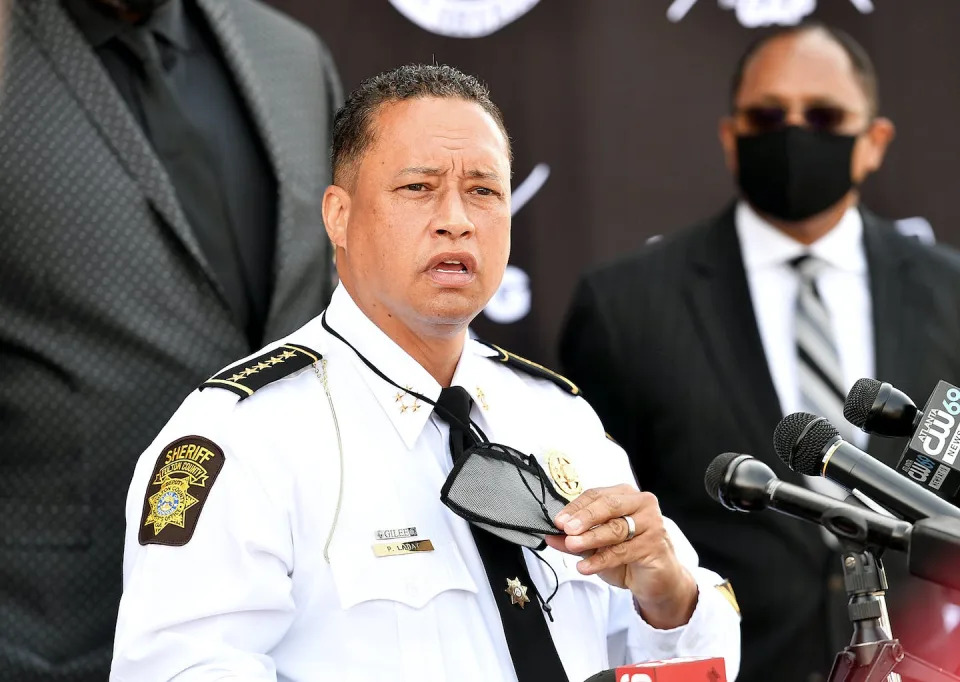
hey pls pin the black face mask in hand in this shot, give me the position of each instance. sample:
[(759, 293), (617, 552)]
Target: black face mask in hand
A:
[(794, 173), (505, 492)]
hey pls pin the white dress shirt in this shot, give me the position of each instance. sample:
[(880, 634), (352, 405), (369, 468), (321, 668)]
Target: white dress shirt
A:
[(280, 580), (844, 289)]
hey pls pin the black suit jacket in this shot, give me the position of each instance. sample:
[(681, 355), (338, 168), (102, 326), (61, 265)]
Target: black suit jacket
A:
[(110, 313), (666, 348)]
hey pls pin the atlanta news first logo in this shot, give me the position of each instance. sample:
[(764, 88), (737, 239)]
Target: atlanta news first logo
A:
[(931, 456)]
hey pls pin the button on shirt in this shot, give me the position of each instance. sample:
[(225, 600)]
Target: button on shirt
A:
[(280, 580), (843, 286)]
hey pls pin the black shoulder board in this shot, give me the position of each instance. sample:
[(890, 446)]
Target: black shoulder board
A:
[(253, 374), (530, 367)]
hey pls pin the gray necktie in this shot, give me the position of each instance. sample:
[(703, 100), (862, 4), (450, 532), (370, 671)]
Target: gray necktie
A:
[(818, 365)]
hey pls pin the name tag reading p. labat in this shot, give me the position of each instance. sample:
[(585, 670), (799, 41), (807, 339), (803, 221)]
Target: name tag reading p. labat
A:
[(382, 549)]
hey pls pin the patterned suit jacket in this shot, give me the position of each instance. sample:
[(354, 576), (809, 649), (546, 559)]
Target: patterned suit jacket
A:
[(109, 313)]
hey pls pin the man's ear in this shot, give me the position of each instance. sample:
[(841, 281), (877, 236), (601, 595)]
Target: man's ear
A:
[(727, 132), (881, 134), (336, 214)]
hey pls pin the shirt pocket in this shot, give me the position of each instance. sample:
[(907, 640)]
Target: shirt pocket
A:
[(408, 604)]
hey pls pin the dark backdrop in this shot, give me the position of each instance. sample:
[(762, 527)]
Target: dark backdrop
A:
[(622, 105)]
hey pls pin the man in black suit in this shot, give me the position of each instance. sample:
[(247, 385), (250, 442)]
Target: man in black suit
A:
[(701, 342), (161, 168)]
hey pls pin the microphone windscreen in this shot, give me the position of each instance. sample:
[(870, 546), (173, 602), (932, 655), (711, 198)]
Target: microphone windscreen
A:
[(856, 408), (799, 440), (787, 433), (715, 472)]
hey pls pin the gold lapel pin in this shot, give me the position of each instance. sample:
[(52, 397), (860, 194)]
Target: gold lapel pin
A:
[(482, 398)]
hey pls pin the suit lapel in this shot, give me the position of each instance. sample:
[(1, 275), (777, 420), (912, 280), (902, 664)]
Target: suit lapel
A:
[(886, 293), (720, 299), (81, 72), (225, 23), (895, 329)]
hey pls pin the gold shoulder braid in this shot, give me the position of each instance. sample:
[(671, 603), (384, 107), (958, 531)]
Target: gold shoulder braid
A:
[(531, 367), (249, 376), (179, 485)]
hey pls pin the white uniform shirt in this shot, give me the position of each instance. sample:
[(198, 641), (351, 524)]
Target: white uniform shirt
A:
[(252, 597), (844, 288)]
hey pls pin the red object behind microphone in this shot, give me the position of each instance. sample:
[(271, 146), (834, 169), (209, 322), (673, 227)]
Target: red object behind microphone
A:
[(674, 670)]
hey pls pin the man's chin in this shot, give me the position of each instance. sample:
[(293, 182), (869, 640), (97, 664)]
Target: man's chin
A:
[(452, 310)]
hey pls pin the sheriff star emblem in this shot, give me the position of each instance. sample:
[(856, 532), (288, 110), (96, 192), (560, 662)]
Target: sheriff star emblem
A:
[(517, 592)]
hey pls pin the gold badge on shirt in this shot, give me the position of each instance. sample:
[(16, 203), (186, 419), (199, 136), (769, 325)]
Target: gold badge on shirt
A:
[(517, 592), (564, 475)]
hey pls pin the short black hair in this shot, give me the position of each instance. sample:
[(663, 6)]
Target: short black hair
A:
[(863, 67), (352, 129)]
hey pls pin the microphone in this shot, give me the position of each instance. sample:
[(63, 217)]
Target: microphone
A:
[(671, 670), (880, 409), (930, 457), (744, 483), (810, 445)]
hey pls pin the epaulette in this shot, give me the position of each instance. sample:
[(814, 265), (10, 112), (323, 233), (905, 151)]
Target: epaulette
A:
[(251, 375), (531, 367)]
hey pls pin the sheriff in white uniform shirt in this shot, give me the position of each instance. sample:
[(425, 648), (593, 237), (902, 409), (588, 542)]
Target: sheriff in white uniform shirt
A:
[(287, 525)]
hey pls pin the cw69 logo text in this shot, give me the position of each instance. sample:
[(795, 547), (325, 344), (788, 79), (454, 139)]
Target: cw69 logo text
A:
[(939, 423)]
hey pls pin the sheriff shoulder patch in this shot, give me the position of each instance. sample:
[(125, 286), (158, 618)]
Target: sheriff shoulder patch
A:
[(247, 377), (179, 485), (531, 367)]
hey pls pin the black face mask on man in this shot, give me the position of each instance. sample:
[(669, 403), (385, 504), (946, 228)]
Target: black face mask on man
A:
[(794, 173)]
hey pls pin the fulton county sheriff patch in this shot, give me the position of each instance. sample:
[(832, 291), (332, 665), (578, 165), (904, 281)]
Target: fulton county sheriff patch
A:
[(181, 480)]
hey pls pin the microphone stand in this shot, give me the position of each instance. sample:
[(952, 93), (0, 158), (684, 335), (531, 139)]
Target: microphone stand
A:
[(873, 655)]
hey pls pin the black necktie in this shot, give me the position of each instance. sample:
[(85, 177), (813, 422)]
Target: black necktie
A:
[(534, 655), (184, 152)]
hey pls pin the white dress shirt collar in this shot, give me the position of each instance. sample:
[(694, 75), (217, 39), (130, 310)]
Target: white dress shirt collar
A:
[(765, 246), (407, 414)]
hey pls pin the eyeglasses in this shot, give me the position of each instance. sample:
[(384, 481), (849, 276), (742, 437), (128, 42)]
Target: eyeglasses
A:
[(822, 118)]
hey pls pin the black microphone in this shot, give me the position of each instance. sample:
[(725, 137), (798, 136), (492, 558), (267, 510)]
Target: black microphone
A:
[(930, 457), (881, 409), (603, 676), (743, 483), (810, 445)]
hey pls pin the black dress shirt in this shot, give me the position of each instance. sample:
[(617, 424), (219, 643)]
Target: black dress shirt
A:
[(240, 252)]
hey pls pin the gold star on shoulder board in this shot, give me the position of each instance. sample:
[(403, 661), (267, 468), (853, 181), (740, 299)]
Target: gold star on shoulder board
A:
[(517, 592), (275, 360), (287, 354), (238, 376)]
